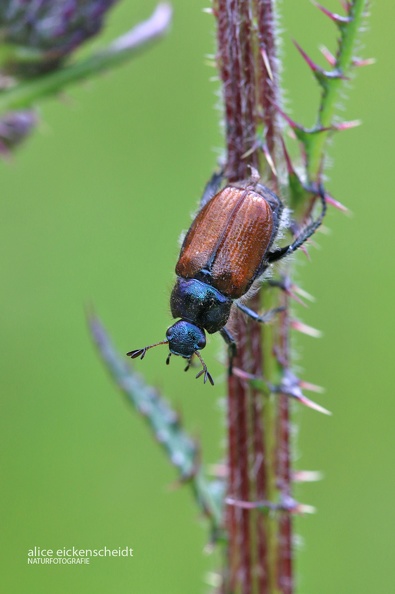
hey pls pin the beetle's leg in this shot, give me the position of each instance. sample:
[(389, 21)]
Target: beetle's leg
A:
[(204, 371), (266, 317), (289, 288), (307, 232), (232, 348), (212, 187), (276, 283)]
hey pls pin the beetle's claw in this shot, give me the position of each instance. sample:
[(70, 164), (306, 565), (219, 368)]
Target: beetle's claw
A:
[(168, 359), (270, 314)]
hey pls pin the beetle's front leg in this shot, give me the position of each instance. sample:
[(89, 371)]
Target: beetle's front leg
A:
[(305, 233), (232, 348), (266, 317), (212, 187)]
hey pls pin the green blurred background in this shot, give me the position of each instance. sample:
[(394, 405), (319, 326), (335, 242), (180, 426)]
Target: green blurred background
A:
[(91, 210)]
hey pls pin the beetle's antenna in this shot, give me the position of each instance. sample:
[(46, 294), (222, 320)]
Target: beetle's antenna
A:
[(141, 352), (207, 375)]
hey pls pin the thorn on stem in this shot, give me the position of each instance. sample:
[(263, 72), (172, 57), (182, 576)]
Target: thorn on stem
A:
[(305, 329), (266, 61), (336, 18), (336, 204), (289, 120), (307, 476), (269, 159), (346, 125), (358, 62), (288, 162), (312, 65), (329, 57), (321, 75)]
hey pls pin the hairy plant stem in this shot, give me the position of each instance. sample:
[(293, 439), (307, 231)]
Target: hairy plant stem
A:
[(259, 547), (330, 95), (253, 523)]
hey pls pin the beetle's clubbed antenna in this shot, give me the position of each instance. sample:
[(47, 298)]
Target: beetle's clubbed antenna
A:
[(204, 371), (304, 235), (141, 352)]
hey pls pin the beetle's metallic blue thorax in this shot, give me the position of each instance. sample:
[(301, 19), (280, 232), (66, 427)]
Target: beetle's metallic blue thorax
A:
[(200, 303)]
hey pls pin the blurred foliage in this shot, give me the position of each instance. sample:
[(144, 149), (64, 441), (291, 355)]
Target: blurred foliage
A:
[(91, 209), (46, 32)]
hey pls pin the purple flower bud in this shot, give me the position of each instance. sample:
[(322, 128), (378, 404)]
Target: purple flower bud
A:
[(15, 127), (50, 29)]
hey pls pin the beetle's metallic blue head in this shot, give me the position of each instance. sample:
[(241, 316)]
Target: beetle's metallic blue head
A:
[(185, 339)]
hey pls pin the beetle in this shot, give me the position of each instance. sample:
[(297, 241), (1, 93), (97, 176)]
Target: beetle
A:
[(228, 246)]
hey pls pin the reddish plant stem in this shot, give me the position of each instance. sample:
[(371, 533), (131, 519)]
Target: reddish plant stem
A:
[(259, 460), (248, 68), (242, 488), (269, 88), (231, 520), (235, 60), (270, 102), (238, 521), (283, 467)]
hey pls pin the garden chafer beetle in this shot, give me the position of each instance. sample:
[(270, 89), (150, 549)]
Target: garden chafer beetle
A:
[(228, 246)]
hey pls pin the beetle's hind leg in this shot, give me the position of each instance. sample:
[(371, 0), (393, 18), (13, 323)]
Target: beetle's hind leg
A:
[(232, 348), (230, 341), (266, 317)]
